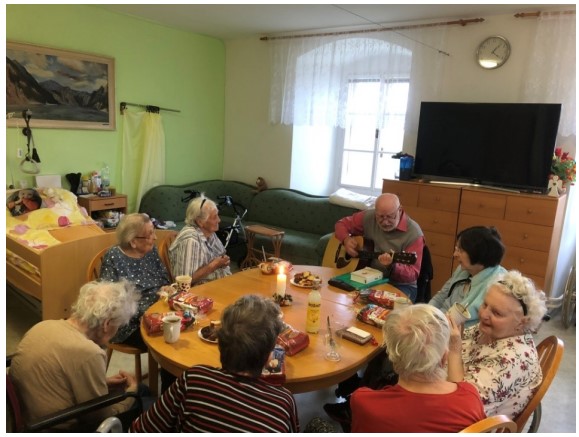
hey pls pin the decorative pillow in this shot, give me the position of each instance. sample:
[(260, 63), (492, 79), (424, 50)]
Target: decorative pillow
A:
[(23, 201), (350, 199)]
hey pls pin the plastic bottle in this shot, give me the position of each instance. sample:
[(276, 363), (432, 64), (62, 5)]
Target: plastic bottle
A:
[(314, 309), (105, 178)]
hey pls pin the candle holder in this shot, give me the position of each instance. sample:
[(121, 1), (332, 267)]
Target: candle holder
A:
[(283, 301)]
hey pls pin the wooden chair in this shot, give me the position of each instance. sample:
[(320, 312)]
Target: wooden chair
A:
[(492, 424), (550, 352), (93, 273), (163, 248)]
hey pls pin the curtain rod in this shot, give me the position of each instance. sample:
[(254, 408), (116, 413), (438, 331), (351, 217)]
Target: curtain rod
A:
[(539, 13), (381, 29), (124, 106)]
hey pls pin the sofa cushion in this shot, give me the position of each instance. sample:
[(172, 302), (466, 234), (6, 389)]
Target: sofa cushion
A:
[(292, 209), (165, 202)]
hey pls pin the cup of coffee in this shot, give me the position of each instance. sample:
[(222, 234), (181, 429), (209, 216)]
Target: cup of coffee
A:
[(183, 283), (401, 302), (458, 313), (171, 328)]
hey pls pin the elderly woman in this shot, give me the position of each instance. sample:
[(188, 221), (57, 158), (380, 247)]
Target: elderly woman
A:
[(416, 339), (197, 252), (60, 363), (498, 355), (232, 398), (135, 259), (479, 252)]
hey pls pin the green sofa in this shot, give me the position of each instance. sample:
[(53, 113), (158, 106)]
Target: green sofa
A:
[(307, 220)]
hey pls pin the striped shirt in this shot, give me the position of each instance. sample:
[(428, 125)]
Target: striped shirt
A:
[(207, 399), (191, 250)]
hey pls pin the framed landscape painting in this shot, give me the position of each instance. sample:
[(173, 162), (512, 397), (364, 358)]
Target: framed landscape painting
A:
[(63, 89)]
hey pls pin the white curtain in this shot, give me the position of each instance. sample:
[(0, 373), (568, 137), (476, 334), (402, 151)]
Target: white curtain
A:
[(550, 73), (143, 160), (310, 76)]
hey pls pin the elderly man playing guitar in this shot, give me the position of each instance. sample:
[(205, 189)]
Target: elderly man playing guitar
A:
[(390, 230)]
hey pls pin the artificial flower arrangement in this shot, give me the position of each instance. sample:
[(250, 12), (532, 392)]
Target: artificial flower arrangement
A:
[(563, 166)]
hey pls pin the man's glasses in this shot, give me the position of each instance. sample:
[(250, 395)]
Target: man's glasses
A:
[(392, 216)]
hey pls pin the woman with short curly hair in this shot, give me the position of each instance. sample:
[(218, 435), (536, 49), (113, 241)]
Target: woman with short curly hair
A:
[(498, 355)]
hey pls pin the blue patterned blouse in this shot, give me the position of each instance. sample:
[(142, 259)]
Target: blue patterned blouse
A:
[(148, 274)]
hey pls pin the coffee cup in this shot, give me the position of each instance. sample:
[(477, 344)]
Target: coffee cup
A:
[(401, 302), (458, 313), (183, 283), (171, 328), (267, 268)]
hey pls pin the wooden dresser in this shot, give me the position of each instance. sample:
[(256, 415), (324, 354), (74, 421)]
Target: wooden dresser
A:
[(530, 225)]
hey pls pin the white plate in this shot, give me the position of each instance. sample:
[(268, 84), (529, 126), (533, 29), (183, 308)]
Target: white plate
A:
[(205, 339), (298, 285)]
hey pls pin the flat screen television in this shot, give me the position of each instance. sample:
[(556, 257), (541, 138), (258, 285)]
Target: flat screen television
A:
[(508, 145)]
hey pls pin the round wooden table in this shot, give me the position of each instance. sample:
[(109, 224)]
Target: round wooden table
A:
[(306, 371)]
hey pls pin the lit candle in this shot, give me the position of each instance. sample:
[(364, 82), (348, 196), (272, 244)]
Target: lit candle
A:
[(281, 283)]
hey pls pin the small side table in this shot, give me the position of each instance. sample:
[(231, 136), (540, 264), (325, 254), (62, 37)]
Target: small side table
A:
[(252, 258), (94, 203)]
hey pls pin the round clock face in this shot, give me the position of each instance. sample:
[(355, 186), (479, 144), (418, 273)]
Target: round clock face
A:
[(493, 52)]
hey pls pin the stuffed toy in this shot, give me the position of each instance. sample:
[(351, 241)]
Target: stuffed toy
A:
[(261, 185)]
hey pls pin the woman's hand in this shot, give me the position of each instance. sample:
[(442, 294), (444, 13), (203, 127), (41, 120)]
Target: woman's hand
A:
[(220, 262), (455, 365), (455, 342)]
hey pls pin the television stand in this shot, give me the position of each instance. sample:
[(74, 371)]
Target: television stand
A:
[(473, 184)]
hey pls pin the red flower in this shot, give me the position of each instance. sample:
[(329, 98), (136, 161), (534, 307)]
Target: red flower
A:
[(558, 151)]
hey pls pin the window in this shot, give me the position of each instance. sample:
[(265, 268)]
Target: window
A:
[(367, 151)]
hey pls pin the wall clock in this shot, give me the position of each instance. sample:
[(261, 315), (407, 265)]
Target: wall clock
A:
[(493, 52)]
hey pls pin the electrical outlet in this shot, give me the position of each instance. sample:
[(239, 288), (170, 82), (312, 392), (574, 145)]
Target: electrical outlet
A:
[(19, 153)]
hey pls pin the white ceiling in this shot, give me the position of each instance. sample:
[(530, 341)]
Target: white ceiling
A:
[(238, 21)]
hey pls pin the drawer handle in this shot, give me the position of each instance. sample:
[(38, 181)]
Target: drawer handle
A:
[(435, 221), (525, 236), (109, 204), (522, 260), (529, 211), (437, 198)]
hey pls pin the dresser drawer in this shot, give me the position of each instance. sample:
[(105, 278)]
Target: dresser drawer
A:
[(440, 198), (483, 204), (440, 244), (528, 262), (536, 211), (406, 192), (108, 203), (522, 235), (433, 220)]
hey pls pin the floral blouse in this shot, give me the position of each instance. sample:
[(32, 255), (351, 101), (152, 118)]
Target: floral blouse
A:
[(506, 371)]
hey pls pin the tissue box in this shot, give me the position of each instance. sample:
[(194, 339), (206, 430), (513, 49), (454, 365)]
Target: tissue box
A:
[(366, 275)]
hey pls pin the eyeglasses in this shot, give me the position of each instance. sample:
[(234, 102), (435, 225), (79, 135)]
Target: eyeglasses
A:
[(510, 287), (146, 237), (391, 216)]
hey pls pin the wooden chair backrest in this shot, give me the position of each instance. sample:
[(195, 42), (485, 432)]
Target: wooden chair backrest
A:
[(499, 423), (163, 248), (94, 268), (550, 352)]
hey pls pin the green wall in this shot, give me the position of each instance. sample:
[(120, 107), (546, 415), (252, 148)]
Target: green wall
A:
[(153, 65)]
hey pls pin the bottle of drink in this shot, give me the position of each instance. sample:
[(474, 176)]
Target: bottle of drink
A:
[(314, 308), (105, 178)]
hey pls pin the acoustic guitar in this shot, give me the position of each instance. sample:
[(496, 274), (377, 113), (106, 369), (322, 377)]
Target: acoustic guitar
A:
[(336, 256)]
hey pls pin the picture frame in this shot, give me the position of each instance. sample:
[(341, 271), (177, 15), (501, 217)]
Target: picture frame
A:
[(63, 89)]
